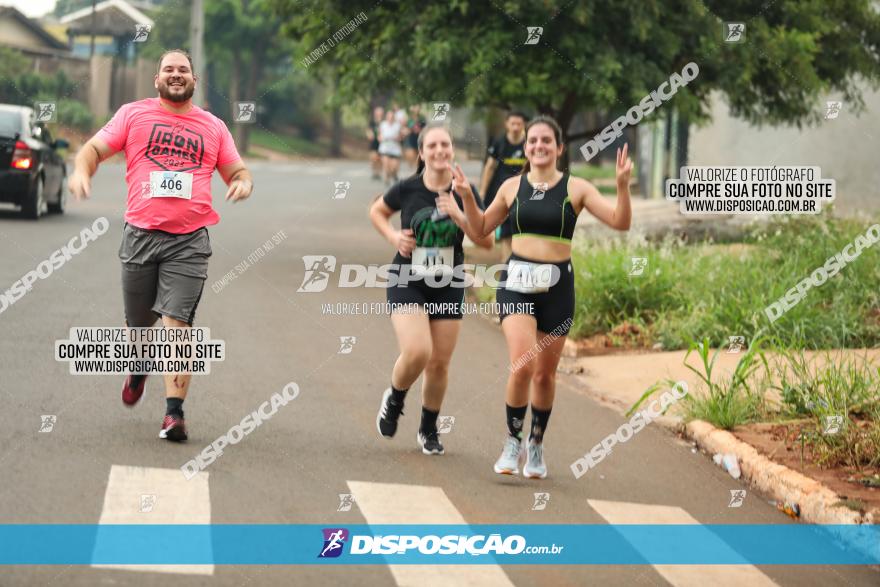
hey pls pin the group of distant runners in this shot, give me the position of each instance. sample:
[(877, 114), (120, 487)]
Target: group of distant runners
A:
[(172, 148), (393, 133)]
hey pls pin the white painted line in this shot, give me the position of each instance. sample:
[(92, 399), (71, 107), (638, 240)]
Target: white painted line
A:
[(176, 501), (388, 503), (618, 512)]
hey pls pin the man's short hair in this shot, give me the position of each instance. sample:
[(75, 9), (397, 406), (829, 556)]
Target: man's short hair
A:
[(518, 114), (170, 51)]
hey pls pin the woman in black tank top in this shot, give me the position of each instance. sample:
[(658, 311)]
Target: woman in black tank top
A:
[(426, 313), (537, 291)]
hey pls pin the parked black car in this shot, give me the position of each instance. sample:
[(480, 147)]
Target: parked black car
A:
[(32, 174)]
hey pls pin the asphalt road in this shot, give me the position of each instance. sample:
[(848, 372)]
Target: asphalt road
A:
[(293, 467)]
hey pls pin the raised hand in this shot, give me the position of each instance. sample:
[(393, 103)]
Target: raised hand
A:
[(460, 183), (624, 167)]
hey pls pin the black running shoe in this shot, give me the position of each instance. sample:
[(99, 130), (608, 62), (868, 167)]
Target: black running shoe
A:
[(430, 443), (389, 412)]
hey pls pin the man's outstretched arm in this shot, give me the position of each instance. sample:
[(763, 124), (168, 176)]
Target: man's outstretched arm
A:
[(86, 164)]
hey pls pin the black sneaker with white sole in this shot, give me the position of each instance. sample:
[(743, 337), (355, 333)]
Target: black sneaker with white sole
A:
[(389, 412), (430, 443)]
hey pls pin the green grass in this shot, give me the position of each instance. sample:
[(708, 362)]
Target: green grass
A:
[(725, 402), (591, 172), (288, 145), (846, 387), (692, 292)]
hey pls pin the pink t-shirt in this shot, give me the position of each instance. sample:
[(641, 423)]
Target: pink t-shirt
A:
[(155, 139)]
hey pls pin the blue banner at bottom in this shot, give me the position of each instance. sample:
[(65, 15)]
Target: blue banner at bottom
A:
[(538, 544)]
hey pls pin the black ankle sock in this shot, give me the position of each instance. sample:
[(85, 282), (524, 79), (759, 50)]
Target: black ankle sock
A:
[(429, 421), (539, 423), (136, 380), (174, 406), (398, 395), (515, 417)]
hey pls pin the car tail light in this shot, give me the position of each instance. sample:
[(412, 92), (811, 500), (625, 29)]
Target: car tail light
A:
[(21, 157)]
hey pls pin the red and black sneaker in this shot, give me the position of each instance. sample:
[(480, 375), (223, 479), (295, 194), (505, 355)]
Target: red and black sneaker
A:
[(133, 389), (173, 428)]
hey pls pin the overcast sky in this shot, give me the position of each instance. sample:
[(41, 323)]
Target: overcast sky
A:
[(31, 8)]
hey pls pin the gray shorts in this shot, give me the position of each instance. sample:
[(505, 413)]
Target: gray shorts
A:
[(163, 274)]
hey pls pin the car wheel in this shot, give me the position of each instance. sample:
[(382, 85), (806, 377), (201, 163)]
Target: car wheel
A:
[(35, 204), (58, 208)]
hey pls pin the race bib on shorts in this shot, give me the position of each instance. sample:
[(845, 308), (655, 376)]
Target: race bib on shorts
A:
[(171, 184), (530, 278), (432, 261)]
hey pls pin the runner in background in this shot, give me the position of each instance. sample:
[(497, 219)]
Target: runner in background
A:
[(390, 132), (399, 114), (373, 137), (414, 126), (504, 159)]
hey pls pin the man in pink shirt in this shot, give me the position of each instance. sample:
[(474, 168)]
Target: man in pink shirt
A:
[(171, 149)]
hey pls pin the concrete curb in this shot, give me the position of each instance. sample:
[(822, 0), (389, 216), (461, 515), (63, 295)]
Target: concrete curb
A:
[(816, 501)]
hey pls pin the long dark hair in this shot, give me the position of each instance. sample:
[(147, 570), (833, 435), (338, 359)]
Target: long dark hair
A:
[(557, 133), (421, 141)]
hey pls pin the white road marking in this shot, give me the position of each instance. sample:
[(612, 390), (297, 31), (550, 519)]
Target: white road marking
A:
[(618, 512), (176, 501), (388, 503)]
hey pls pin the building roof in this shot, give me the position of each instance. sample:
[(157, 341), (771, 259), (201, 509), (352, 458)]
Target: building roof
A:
[(32, 25), (112, 17)]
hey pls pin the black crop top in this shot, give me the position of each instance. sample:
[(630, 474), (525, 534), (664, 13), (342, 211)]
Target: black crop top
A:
[(543, 213)]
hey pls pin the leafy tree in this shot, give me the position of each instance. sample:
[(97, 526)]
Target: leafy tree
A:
[(597, 55), (243, 50)]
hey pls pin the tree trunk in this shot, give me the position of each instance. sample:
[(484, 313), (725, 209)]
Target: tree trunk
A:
[(235, 96), (253, 80), (564, 117), (336, 136)]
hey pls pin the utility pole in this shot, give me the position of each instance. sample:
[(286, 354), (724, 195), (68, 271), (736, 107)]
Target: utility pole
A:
[(93, 25), (196, 42)]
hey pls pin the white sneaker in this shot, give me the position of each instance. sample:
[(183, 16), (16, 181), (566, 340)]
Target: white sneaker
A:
[(508, 462), (535, 467)]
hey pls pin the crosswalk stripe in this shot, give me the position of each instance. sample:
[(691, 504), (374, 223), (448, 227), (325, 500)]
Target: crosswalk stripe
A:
[(170, 499), (389, 503), (618, 512)]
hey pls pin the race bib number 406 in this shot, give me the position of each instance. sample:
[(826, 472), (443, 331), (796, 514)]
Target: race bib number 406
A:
[(171, 184)]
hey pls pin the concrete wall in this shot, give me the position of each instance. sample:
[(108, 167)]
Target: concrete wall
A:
[(100, 79), (845, 149), (76, 69), (145, 71)]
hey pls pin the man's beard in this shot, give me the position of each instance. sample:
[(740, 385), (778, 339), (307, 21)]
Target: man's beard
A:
[(165, 93)]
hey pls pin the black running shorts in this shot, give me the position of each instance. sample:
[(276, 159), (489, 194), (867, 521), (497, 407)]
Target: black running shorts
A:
[(553, 309), (440, 303)]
